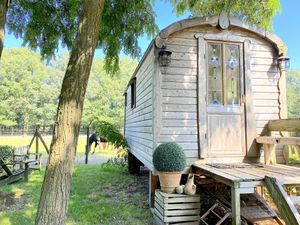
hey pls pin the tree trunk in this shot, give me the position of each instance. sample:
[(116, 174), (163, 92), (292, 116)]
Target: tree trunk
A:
[(53, 202), (3, 12)]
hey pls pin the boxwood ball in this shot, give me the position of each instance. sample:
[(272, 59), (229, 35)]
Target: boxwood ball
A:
[(169, 157)]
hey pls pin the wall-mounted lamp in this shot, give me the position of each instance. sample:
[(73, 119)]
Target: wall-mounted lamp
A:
[(164, 57), (283, 62)]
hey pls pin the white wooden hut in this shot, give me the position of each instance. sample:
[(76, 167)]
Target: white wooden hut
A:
[(220, 89), (223, 88)]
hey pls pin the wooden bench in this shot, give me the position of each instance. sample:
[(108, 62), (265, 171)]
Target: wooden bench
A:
[(22, 154), (269, 142), (15, 174)]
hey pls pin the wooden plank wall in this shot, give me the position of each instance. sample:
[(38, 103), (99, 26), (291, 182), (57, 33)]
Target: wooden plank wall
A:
[(179, 116), (265, 79), (179, 96), (139, 126)]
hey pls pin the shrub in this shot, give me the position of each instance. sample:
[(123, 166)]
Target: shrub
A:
[(120, 159), (114, 136), (109, 131), (169, 157), (6, 152)]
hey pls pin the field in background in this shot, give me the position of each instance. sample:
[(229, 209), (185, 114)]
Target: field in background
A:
[(25, 140)]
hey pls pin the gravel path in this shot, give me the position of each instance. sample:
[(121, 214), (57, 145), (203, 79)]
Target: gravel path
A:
[(93, 159), (97, 158)]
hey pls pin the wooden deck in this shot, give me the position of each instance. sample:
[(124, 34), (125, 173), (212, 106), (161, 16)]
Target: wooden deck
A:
[(231, 174), (243, 178)]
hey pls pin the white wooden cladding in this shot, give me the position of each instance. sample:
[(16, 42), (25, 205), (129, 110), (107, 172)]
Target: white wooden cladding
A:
[(138, 121), (166, 108), (180, 81)]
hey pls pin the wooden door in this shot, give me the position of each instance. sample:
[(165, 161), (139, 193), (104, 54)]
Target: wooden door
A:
[(225, 119)]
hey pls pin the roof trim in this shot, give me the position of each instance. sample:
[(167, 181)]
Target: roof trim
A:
[(214, 21), (139, 64)]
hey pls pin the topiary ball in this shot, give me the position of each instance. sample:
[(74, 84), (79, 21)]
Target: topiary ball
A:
[(169, 157)]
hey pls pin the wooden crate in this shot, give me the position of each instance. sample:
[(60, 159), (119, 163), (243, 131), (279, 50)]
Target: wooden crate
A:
[(176, 208)]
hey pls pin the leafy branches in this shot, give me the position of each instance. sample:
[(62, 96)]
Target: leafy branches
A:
[(45, 24), (254, 11), (109, 131)]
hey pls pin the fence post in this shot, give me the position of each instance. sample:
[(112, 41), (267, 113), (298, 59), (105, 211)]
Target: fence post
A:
[(36, 143), (87, 147)]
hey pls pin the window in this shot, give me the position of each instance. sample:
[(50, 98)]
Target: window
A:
[(224, 74), (133, 93)]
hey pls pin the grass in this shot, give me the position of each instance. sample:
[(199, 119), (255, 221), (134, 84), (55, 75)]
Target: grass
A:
[(294, 154), (104, 194), (25, 140)]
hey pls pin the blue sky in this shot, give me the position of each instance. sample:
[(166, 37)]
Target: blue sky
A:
[(286, 26)]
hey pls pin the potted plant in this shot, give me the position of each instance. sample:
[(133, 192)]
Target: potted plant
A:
[(169, 160)]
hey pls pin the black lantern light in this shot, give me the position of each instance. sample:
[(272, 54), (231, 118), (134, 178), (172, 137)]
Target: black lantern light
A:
[(164, 57), (283, 62)]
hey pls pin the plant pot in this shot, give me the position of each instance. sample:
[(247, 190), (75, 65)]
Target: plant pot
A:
[(169, 181)]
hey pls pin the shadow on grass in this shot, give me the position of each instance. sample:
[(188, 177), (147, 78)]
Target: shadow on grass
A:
[(26, 197), (100, 194)]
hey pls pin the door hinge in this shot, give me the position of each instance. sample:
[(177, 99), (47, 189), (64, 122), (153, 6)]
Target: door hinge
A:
[(243, 99)]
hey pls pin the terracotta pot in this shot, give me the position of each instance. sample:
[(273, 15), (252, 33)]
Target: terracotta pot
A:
[(190, 187), (169, 181)]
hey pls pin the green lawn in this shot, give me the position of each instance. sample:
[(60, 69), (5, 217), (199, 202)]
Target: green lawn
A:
[(25, 140), (100, 195)]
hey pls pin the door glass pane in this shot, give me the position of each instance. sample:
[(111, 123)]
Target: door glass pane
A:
[(232, 74), (215, 83)]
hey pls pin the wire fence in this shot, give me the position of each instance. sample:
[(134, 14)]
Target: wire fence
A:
[(21, 131)]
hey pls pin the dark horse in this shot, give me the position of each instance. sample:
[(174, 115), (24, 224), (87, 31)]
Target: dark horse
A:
[(97, 140)]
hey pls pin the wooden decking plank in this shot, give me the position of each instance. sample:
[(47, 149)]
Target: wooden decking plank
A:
[(283, 178), (289, 169), (281, 171), (288, 166), (216, 174), (221, 171), (244, 175), (266, 173), (231, 173), (248, 171)]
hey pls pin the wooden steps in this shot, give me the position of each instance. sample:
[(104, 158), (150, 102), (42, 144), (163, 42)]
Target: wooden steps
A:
[(284, 203)]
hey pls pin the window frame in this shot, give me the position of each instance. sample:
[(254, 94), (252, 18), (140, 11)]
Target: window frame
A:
[(133, 93), (125, 99), (224, 102)]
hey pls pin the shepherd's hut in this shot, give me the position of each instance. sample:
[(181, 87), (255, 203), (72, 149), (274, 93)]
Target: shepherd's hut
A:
[(210, 84)]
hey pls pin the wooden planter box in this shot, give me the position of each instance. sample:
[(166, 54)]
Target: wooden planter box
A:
[(176, 208)]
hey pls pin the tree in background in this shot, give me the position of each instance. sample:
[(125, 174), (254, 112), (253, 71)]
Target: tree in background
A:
[(30, 89), (3, 12), (42, 24), (22, 75), (255, 11), (104, 99), (293, 93)]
